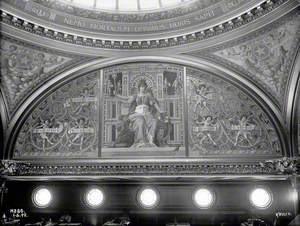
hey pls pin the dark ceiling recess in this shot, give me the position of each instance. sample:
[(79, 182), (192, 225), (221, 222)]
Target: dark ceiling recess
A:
[(232, 201)]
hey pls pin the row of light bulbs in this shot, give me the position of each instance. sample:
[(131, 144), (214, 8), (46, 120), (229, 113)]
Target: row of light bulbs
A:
[(148, 197)]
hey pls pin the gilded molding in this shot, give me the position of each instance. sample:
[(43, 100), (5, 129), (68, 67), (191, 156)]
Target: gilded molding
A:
[(283, 166), (193, 168), (237, 22), (121, 17)]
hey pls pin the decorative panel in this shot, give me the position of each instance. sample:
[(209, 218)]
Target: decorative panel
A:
[(264, 56), (24, 67), (143, 111), (223, 120), (148, 110), (65, 124), (268, 57)]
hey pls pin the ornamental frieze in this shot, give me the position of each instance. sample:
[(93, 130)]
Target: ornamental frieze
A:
[(286, 166)]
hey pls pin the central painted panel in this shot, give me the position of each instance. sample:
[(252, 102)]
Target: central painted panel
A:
[(143, 111)]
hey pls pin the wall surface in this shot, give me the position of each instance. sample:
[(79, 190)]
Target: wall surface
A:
[(203, 95)]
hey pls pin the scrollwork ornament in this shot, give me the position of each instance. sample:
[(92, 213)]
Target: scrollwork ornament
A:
[(11, 167), (252, 55), (25, 67), (283, 166)]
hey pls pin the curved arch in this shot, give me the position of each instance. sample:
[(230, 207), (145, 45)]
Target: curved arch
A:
[(267, 105), (292, 107), (3, 124)]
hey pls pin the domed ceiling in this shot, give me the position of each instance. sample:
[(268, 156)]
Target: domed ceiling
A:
[(137, 20), (126, 5)]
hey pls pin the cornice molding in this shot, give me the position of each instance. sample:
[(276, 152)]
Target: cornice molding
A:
[(188, 18), (199, 36), (284, 166), (164, 13)]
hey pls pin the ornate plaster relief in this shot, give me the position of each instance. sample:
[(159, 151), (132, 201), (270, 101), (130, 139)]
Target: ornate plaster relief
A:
[(24, 67)]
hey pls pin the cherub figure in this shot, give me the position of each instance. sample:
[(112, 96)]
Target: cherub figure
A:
[(85, 94), (202, 92), (244, 130), (207, 126), (44, 125), (80, 124)]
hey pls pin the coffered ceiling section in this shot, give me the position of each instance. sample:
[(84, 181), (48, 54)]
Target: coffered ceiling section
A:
[(136, 24)]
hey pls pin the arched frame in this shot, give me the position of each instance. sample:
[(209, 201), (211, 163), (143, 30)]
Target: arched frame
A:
[(3, 124), (293, 99), (224, 73)]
